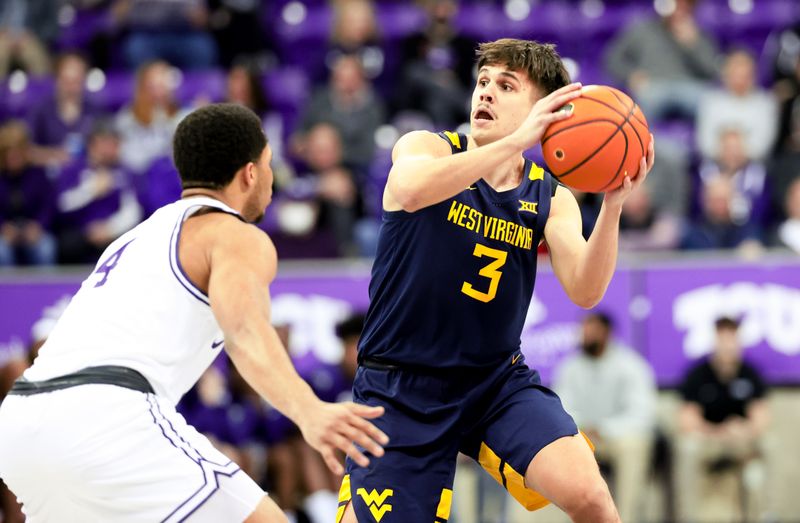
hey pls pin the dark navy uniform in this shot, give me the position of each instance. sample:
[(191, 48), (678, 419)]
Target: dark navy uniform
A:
[(450, 289)]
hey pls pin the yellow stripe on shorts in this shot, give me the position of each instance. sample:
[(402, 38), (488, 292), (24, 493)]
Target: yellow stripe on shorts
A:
[(443, 510), (344, 498), (514, 481)]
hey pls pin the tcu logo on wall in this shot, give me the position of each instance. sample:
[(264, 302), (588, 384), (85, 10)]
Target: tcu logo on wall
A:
[(770, 314)]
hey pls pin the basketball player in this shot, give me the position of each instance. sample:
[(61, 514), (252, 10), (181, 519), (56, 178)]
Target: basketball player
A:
[(90, 433), (451, 284)]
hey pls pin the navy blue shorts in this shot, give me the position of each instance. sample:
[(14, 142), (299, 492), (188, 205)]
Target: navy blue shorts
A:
[(501, 418)]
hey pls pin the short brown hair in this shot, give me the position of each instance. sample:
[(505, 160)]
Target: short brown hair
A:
[(540, 61)]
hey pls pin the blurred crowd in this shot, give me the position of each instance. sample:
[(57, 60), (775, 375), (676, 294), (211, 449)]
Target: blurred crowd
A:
[(92, 90), (718, 440)]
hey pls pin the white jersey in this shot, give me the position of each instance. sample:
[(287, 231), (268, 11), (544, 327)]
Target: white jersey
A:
[(139, 310)]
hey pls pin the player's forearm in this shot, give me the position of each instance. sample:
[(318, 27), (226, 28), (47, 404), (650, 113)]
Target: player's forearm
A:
[(263, 363), (417, 184), (599, 259)]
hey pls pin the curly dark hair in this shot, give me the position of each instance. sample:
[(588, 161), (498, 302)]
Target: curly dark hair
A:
[(541, 62), (212, 143)]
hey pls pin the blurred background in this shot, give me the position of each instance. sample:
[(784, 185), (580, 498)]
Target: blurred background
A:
[(92, 90)]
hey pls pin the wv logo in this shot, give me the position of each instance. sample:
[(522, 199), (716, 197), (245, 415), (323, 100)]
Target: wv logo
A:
[(528, 206), (376, 502)]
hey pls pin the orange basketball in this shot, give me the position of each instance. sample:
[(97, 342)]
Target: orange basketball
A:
[(603, 140)]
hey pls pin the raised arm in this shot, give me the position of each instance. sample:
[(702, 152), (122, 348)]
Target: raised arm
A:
[(585, 268), (425, 173), (242, 264)]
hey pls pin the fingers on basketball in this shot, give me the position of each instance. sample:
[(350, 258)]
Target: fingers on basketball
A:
[(601, 143)]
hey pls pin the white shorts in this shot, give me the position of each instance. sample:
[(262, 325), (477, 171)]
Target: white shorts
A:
[(105, 453)]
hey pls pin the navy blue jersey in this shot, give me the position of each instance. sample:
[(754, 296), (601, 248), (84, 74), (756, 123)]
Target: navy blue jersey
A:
[(452, 282)]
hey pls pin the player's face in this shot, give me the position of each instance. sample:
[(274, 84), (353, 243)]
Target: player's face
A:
[(262, 193), (500, 102)]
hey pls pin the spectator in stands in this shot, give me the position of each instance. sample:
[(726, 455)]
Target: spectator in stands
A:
[(748, 177), (716, 228), (783, 51), (337, 186), (238, 29), (666, 64), (788, 233), (244, 87), (610, 391), (228, 421), (334, 383), (350, 104), (785, 166), (283, 440), (644, 227), (27, 27), (786, 88), (147, 125), (26, 202), (722, 420), (96, 199), (61, 123), (170, 30), (739, 104), (355, 32), (437, 67)]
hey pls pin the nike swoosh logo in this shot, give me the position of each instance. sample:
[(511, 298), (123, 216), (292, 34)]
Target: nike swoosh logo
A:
[(216, 344), (472, 188), (515, 358)]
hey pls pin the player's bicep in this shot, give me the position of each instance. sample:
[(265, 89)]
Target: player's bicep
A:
[(563, 234), (410, 153), (243, 263)]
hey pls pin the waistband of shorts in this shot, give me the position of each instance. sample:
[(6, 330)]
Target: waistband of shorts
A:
[(388, 365), (101, 375)]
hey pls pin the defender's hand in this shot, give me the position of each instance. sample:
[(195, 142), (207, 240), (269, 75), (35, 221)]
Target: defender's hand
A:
[(544, 112), (617, 196), (331, 426)]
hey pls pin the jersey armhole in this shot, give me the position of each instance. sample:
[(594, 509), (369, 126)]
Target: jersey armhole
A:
[(457, 141)]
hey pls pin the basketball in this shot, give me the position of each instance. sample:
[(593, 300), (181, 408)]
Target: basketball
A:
[(601, 143)]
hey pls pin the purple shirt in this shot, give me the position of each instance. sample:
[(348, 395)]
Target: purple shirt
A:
[(91, 208), (47, 127), (27, 196)]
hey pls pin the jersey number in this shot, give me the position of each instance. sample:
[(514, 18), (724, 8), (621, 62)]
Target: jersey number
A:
[(491, 271), (109, 264)]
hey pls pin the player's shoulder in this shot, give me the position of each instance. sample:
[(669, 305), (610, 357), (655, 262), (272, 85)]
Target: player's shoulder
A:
[(416, 143), (231, 232)]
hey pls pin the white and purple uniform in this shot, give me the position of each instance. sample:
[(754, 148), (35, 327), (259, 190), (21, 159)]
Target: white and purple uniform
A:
[(106, 453)]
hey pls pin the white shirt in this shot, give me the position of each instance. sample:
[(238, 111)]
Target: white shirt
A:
[(615, 393), (139, 310)]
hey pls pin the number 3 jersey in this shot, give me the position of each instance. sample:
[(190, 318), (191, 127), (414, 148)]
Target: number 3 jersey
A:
[(451, 283), (139, 310)]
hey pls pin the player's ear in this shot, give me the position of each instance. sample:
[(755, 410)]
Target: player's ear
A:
[(249, 174)]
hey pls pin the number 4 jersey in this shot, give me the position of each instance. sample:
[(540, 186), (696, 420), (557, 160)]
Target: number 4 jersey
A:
[(139, 310), (452, 282)]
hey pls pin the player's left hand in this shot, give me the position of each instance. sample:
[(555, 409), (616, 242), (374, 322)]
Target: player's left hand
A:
[(344, 426), (617, 197)]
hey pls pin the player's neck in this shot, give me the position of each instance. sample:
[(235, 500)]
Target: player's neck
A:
[(507, 175), (208, 193)]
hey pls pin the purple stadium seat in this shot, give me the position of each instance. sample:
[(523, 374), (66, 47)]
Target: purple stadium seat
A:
[(397, 21), (83, 27), (314, 27), (158, 186), (116, 92), (479, 21), (18, 104), (286, 87), (210, 84)]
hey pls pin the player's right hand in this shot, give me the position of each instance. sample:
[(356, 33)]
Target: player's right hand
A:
[(544, 112), (344, 426)]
